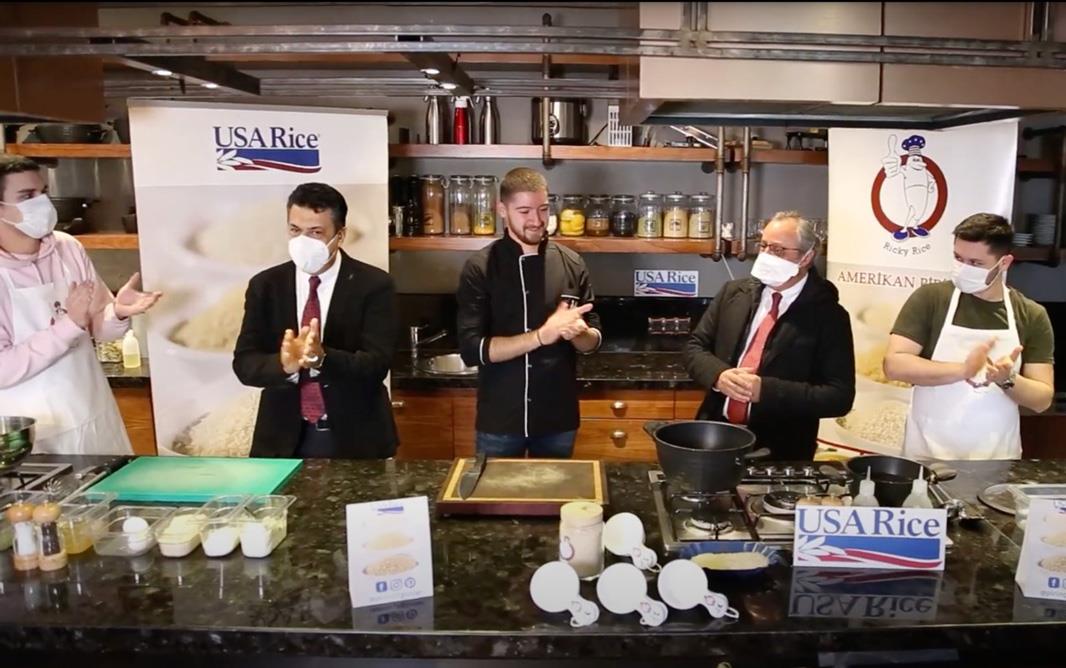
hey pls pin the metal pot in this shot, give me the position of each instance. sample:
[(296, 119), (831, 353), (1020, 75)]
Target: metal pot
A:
[(702, 456), (69, 208), (122, 129), (566, 121), (892, 476), (16, 439), (70, 133)]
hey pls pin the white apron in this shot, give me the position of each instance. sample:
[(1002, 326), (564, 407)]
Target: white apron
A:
[(958, 421), (71, 400)]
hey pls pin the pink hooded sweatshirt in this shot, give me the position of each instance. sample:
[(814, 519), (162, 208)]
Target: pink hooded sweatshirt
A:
[(60, 258)]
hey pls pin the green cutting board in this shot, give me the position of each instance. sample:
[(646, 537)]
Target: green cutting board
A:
[(196, 479)]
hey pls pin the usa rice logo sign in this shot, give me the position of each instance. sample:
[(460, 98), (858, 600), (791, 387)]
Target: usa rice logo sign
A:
[(253, 149), (886, 538), (665, 283)]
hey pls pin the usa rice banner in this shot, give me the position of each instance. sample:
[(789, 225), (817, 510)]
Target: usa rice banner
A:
[(894, 198), (211, 184)]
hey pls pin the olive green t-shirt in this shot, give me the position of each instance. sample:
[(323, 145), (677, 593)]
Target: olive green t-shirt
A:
[(922, 318)]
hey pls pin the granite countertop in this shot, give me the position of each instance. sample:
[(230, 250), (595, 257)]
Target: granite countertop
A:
[(119, 376), (295, 602), (648, 370)]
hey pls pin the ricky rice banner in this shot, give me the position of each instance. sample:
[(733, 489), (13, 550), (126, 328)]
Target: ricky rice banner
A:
[(894, 198)]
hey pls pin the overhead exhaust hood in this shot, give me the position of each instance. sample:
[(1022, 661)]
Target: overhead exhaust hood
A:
[(863, 64)]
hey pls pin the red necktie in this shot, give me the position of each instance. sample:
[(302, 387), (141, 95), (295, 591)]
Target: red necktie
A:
[(738, 410), (312, 406)]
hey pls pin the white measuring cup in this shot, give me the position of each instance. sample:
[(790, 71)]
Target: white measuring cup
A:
[(683, 586), (555, 588), (623, 536), (622, 589)]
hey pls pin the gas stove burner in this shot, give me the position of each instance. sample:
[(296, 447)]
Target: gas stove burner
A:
[(703, 498), (709, 525), (781, 502)]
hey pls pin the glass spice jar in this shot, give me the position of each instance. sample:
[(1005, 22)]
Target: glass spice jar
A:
[(581, 537), (623, 216), (598, 216), (553, 215), (485, 205), (572, 217), (701, 216), (432, 204), (460, 205), (675, 218), (650, 220)]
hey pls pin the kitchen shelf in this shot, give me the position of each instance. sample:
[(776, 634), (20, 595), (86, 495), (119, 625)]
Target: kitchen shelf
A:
[(108, 240), (580, 244), (532, 152), (69, 150), (1036, 166), (775, 156), (1036, 253)]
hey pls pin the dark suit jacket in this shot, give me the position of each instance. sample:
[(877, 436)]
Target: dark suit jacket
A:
[(807, 370), (359, 341)]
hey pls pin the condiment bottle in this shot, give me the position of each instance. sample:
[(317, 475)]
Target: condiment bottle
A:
[(701, 216), (461, 205), (572, 217), (598, 216), (485, 205), (581, 537), (461, 127), (432, 204), (919, 496), (675, 220), (650, 223), (131, 351), (553, 215), (20, 515), (623, 216), (52, 556), (866, 496)]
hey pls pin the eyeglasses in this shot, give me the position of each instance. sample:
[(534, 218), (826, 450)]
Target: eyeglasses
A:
[(776, 249)]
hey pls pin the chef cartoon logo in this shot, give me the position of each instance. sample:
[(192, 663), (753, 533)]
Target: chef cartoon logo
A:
[(909, 193), (274, 148)]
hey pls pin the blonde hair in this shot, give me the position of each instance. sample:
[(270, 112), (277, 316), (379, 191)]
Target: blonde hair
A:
[(808, 235), (522, 180)]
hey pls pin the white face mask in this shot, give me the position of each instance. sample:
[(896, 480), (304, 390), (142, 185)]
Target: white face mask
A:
[(38, 216), (773, 271), (970, 279), (309, 254)]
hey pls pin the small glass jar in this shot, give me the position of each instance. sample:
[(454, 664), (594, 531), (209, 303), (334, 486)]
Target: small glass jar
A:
[(581, 537), (553, 215), (623, 216), (572, 217), (701, 216), (432, 204), (485, 205), (650, 220), (675, 218), (412, 214), (598, 216), (460, 205)]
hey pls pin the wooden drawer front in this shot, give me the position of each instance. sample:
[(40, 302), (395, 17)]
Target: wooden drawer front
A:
[(614, 440), (688, 404), (628, 404), (465, 416), (135, 405), (424, 424)]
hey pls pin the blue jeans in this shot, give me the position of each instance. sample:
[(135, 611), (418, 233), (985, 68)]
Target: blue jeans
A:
[(552, 446)]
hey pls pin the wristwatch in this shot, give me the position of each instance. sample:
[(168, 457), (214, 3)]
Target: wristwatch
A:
[(1009, 383)]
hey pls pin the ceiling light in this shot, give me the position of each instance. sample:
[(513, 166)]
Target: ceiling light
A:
[(210, 84), (430, 71), (162, 73), (448, 85)]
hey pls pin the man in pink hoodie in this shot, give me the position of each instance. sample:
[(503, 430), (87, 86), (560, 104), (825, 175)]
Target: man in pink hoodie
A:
[(52, 305)]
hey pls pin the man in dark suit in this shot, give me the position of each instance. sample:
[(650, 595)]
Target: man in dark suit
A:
[(775, 350), (318, 336)]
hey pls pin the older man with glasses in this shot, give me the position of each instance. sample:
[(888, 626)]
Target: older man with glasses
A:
[(775, 351)]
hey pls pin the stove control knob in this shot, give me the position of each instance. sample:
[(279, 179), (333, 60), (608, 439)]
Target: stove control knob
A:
[(752, 471), (808, 471), (789, 471)]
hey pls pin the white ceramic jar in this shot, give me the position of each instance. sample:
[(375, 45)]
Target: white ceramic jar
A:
[(581, 537)]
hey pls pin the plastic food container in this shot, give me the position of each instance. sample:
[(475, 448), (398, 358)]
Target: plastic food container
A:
[(1023, 494), (221, 531), (8, 499), (128, 530), (81, 520), (266, 524), (179, 534)]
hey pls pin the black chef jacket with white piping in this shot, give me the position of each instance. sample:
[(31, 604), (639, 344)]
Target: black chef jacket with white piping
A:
[(505, 293)]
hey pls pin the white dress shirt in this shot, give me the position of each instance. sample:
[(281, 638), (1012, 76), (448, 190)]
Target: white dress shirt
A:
[(325, 295), (765, 304)]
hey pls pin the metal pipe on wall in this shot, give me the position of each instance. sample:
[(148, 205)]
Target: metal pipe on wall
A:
[(719, 193), (745, 198), (545, 105)]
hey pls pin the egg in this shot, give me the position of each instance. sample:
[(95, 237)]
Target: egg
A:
[(134, 525)]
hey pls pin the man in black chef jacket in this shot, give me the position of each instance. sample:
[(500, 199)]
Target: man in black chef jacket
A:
[(775, 351), (318, 336), (524, 314)]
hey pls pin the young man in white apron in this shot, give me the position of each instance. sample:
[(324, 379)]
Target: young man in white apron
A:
[(52, 304), (975, 350)]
